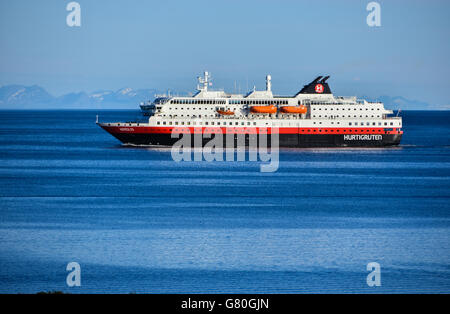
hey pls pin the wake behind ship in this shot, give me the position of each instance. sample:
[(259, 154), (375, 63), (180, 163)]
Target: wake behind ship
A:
[(313, 117)]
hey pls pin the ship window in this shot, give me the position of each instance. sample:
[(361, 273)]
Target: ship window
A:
[(349, 123), (392, 123), (242, 123), (206, 123), (374, 123), (254, 123), (237, 123), (164, 123), (157, 122)]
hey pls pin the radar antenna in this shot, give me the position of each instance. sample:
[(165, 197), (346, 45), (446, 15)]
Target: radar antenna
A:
[(204, 82)]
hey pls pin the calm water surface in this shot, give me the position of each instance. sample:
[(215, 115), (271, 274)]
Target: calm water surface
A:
[(136, 221)]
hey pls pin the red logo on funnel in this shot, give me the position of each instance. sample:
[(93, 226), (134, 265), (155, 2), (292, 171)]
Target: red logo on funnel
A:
[(319, 88)]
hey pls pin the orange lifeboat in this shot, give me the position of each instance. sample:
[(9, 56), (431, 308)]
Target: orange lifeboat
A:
[(225, 113), (264, 109), (294, 109)]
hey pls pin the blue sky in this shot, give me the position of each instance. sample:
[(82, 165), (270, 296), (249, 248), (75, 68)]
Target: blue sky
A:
[(166, 44)]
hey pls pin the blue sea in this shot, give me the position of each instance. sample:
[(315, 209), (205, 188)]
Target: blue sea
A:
[(137, 221)]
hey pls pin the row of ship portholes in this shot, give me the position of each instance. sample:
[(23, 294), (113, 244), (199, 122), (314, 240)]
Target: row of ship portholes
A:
[(231, 123), (343, 109), (343, 116), (343, 131), (346, 131)]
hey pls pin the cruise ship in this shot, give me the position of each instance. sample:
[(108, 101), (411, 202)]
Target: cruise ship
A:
[(313, 117)]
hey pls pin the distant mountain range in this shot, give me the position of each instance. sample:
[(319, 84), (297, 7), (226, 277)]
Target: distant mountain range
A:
[(36, 97), (399, 102)]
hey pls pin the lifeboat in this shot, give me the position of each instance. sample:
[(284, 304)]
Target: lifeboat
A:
[(294, 109), (225, 113), (263, 109)]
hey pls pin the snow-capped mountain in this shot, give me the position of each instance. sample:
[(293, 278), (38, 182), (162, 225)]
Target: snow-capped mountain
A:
[(19, 96), (399, 102), (35, 97)]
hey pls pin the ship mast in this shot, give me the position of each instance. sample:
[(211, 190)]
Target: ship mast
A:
[(203, 82)]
